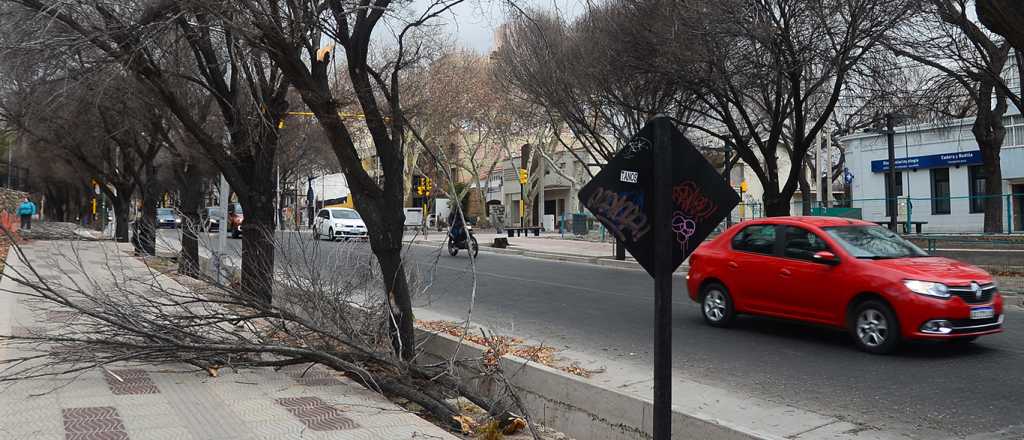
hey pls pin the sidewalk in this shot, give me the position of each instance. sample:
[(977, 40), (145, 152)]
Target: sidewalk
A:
[(140, 401)]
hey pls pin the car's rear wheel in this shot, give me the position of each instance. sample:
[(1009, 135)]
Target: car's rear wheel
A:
[(330, 234), (717, 306), (875, 328)]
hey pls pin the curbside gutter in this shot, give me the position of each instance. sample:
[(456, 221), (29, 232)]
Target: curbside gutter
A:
[(554, 256), (578, 408)]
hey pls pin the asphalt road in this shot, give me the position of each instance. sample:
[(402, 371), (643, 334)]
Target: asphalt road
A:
[(978, 388)]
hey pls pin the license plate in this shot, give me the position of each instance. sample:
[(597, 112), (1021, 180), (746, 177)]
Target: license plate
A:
[(982, 313)]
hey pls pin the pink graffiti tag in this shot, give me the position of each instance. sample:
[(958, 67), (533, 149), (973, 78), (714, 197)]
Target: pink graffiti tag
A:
[(620, 214), (684, 228), (691, 202)]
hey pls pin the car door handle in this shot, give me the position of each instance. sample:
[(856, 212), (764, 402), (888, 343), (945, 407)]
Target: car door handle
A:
[(785, 273), (733, 265)]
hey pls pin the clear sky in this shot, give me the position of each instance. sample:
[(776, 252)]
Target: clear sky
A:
[(472, 22)]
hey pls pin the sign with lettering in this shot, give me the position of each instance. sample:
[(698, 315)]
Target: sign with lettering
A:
[(930, 161), (620, 197)]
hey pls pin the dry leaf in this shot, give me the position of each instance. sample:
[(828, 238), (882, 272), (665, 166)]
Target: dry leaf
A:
[(213, 370), (466, 424)]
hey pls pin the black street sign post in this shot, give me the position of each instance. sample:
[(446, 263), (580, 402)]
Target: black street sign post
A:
[(661, 198)]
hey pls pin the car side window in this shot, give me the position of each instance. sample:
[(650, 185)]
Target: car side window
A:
[(755, 238), (324, 214), (802, 244)]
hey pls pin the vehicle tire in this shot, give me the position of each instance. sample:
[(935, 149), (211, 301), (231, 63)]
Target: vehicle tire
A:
[(452, 250), (874, 327), (716, 305), (474, 246), (330, 234)]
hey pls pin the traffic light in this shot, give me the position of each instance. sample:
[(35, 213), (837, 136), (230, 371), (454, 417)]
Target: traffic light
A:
[(523, 176), (743, 186), (428, 185)]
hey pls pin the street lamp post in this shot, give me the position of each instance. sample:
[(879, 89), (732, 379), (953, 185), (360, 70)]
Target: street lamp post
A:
[(890, 134)]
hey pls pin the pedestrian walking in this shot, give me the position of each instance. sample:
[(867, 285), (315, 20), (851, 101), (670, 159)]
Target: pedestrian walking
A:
[(26, 210)]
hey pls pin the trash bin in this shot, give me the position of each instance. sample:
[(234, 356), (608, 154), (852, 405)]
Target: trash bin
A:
[(580, 225)]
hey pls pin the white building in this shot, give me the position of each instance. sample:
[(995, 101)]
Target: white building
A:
[(559, 194), (939, 175)]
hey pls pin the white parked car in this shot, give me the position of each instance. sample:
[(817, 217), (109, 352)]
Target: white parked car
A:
[(334, 223)]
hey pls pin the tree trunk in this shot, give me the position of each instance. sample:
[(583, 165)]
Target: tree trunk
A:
[(147, 219), (994, 189), (122, 205), (385, 227), (774, 204), (258, 225), (190, 206)]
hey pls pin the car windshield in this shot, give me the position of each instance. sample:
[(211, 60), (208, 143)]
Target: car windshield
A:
[(164, 211), (214, 212), (873, 242), (236, 208), (345, 214)]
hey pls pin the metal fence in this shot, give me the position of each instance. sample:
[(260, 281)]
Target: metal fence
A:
[(911, 212), (13, 176)]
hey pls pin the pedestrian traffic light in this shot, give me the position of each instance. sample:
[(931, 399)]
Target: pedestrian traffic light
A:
[(523, 176)]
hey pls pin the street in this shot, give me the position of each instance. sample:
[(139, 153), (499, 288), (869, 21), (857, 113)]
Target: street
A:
[(607, 313)]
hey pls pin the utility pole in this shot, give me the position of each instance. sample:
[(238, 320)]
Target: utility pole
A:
[(890, 133), (728, 176), (222, 231)]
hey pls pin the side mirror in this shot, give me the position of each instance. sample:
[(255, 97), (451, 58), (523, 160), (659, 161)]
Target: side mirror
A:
[(826, 257)]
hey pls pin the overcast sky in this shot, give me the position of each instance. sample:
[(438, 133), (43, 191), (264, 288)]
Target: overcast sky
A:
[(472, 23)]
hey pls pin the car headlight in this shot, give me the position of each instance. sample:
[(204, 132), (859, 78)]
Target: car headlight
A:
[(928, 288)]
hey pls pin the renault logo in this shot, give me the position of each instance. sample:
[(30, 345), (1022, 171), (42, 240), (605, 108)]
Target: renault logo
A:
[(976, 289)]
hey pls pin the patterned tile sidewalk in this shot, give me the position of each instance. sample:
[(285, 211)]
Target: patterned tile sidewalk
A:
[(165, 402)]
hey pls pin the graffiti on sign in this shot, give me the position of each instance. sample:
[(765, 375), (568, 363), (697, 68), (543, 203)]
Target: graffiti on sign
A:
[(620, 213), (634, 147), (684, 228), (692, 202)]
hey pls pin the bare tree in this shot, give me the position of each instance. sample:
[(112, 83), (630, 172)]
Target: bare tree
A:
[(174, 49), (293, 36), (1004, 17), (760, 69), (967, 65)]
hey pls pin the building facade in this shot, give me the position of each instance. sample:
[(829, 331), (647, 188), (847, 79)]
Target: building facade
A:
[(939, 178)]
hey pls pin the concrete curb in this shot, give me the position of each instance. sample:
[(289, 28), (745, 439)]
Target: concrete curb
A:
[(577, 407), (554, 256)]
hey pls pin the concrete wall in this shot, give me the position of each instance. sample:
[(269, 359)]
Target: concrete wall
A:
[(579, 408)]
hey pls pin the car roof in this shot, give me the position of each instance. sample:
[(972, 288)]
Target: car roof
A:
[(819, 221)]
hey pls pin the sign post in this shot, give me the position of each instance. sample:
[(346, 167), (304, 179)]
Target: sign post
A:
[(663, 268), (660, 198)]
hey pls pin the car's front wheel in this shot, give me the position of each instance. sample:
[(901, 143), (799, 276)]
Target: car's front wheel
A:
[(875, 328), (717, 306)]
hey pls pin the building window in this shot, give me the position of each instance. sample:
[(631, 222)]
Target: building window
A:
[(899, 190), (940, 190), (976, 181)]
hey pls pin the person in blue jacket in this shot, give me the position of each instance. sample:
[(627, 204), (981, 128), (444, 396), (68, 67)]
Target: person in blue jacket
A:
[(26, 210)]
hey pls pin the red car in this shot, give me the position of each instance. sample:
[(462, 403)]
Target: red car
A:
[(843, 273)]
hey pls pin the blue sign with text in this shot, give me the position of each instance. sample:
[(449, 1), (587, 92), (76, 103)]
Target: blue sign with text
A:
[(930, 161)]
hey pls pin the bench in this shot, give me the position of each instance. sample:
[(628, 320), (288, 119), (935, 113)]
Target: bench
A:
[(906, 229), (515, 232)]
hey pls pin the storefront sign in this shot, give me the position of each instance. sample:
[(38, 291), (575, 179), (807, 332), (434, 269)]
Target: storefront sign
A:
[(930, 161)]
